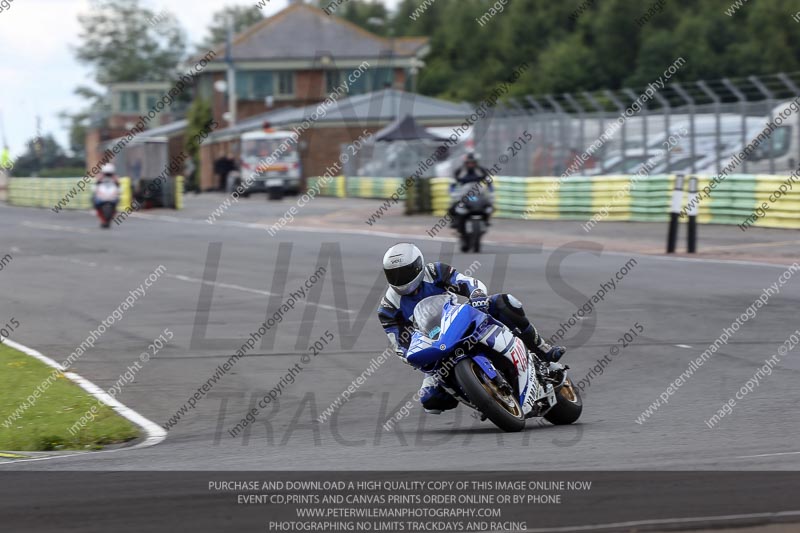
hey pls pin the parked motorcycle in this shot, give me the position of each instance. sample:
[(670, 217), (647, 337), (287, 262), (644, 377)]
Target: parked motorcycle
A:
[(481, 363), (473, 209), (106, 198)]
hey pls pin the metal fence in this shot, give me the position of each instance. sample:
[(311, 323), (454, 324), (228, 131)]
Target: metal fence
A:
[(397, 159), (696, 127)]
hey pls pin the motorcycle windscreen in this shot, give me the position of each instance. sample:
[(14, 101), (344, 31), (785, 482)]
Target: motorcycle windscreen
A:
[(428, 314), (474, 196), (424, 351)]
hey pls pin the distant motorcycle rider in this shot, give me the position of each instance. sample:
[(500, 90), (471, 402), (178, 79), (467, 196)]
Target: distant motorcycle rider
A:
[(469, 173), (105, 190), (411, 280), (107, 173)]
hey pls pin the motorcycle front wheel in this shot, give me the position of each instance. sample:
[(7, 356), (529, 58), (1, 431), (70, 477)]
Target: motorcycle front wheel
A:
[(501, 407), (568, 407), (476, 235)]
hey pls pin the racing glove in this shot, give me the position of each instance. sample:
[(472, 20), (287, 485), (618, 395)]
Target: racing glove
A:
[(401, 353), (479, 300)]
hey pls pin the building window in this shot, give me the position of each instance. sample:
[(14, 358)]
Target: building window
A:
[(254, 84), (371, 80), (286, 83), (151, 99), (381, 78), (129, 101)]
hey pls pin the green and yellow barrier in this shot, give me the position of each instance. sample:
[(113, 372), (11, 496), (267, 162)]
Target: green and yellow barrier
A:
[(613, 198), (48, 192), (179, 190), (357, 187), (328, 186)]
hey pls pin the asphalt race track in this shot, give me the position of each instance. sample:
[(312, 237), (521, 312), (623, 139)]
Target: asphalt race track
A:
[(67, 275)]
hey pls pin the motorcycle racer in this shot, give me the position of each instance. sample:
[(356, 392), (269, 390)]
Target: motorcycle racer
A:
[(473, 174), (411, 280)]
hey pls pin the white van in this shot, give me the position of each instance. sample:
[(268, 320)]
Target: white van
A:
[(679, 144), (782, 145), (257, 147)]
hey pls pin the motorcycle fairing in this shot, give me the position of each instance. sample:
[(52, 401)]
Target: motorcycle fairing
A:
[(464, 325)]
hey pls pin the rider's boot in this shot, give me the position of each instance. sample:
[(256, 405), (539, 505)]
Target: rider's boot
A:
[(544, 355), (536, 344), (433, 397)]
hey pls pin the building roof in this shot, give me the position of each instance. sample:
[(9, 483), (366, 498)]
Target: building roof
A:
[(304, 32), (159, 133), (167, 130), (381, 107), (385, 106)]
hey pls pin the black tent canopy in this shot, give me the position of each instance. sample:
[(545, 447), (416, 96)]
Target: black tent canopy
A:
[(405, 129)]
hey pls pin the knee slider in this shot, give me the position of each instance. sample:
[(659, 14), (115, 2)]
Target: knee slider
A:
[(508, 310), (507, 303)]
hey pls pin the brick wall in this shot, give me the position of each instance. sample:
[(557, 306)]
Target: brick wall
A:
[(324, 146)]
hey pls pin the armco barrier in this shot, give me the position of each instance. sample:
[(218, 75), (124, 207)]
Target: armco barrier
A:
[(611, 198)]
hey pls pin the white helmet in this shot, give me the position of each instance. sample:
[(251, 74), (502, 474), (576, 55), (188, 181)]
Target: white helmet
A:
[(108, 168), (404, 267)]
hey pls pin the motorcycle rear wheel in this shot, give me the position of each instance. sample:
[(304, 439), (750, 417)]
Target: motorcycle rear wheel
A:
[(501, 408)]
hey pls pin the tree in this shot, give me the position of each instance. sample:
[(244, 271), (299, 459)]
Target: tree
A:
[(243, 18), (77, 123), (121, 42), (575, 45), (42, 153), (199, 118), (366, 14)]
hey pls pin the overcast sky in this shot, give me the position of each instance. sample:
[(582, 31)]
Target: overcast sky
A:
[(38, 71)]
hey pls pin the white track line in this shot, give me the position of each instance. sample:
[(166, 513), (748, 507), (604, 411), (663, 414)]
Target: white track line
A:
[(55, 227), (766, 455), (155, 433), (668, 521), (374, 233), (241, 288)]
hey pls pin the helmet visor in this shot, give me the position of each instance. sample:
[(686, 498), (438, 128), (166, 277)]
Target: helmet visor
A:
[(403, 275)]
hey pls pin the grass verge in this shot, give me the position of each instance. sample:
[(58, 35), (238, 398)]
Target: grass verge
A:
[(45, 423)]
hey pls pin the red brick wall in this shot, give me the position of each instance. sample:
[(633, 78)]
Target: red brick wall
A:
[(309, 86), (210, 153), (309, 89), (324, 146)]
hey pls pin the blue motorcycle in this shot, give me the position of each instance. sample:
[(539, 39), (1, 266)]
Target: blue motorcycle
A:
[(480, 362)]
